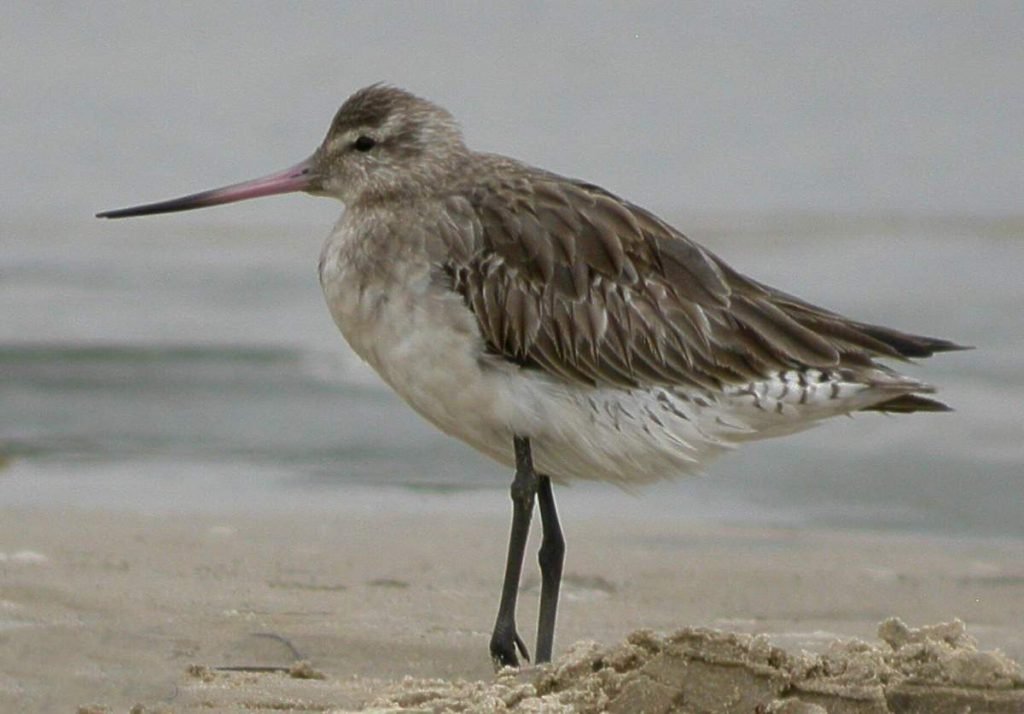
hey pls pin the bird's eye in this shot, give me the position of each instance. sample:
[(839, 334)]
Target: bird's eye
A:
[(364, 143)]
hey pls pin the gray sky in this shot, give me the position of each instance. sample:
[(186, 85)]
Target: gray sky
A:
[(910, 108)]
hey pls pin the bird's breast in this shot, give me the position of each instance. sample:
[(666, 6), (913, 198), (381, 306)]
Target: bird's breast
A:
[(372, 291), (415, 333)]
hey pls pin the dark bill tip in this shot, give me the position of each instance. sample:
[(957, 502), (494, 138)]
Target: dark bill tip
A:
[(301, 177), (185, 203)]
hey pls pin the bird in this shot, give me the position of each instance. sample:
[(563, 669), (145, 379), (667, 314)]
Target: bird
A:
[(566, 332)]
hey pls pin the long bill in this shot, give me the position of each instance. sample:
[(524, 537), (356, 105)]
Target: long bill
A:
[(301, 177)]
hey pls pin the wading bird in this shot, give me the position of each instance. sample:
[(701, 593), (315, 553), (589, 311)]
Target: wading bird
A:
[(558, 328)]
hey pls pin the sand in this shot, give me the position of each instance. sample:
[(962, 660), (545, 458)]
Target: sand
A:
[(381, 611)]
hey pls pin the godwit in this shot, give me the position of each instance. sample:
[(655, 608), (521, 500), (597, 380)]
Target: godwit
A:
[(556, 327)]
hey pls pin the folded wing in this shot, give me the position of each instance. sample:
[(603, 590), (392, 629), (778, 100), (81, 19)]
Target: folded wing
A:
[(565, 277)]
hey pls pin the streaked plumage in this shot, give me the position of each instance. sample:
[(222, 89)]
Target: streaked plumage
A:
[(507, 304)]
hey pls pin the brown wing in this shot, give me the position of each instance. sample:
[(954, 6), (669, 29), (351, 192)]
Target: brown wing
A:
[(566, 277)]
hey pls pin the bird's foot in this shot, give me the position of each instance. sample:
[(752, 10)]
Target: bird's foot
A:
[(503, 648)]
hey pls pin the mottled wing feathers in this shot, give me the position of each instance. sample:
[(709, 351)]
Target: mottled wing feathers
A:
[(566, 277)]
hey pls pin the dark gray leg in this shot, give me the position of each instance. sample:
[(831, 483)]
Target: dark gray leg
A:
[(505, 640), (551, 557)]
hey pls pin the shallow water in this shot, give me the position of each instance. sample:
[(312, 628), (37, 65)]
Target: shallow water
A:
[(155, 366), (178, 363)]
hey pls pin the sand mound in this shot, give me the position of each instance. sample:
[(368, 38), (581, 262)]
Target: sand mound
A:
[(933, 669)]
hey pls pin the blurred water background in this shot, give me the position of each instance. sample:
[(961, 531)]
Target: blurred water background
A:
[(869, 158)]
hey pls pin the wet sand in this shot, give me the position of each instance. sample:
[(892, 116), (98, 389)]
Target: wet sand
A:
[(392, 611)]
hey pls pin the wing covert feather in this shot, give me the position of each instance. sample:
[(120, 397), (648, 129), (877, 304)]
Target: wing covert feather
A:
[(565, 277)]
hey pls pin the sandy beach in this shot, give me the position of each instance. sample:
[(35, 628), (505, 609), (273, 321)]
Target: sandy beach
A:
[(105, 611)]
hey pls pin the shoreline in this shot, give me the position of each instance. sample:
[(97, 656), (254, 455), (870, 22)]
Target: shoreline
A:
[(114, 609)]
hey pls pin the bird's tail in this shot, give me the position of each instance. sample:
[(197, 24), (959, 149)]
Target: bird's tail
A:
[(907, 404)]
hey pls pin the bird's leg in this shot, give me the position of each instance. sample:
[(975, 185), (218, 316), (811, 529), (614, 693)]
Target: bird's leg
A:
[(505, 640), (551, 557)]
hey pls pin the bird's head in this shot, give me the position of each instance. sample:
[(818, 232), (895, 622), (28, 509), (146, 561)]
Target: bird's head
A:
[(383, 144)]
